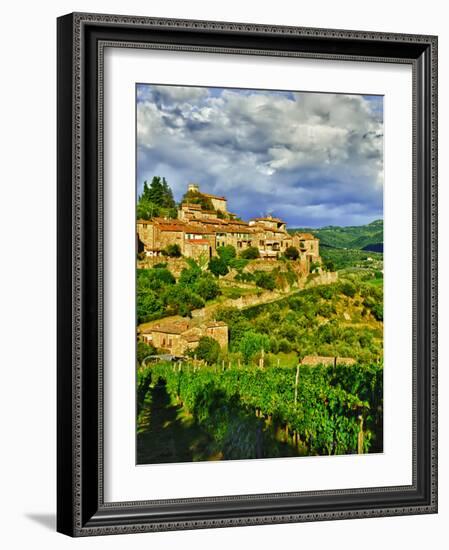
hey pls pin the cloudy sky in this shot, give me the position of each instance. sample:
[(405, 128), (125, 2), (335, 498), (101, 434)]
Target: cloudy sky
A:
[(312, 159)]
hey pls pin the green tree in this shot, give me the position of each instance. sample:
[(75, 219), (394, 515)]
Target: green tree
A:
[(144, 350), (154, 279), (149, 305), (208, 350), (189, 275), (146, 210), (155, 197), (218, 266), (329, 265), (227, 253), (250, 253), (167, 195), (292, 253), (207, 287), (180, 300), (252, 343), (155, 191)]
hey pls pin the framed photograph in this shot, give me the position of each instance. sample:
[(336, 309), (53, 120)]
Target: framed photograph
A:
[(247, 278)]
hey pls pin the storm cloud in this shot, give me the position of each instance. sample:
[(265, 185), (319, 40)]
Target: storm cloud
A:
[(311, 158)]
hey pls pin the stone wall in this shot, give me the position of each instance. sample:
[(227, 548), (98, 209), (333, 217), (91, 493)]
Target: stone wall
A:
[(324, 278)]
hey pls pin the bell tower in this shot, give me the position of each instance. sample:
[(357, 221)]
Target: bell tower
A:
[(193, 187)]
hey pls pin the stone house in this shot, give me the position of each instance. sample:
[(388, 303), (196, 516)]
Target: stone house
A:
[(313, 360), (179, 336), (219, 203)]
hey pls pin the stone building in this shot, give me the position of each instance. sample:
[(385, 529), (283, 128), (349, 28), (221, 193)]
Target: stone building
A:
[(219, 203), (177, 337), (201, 232), (314, 360)]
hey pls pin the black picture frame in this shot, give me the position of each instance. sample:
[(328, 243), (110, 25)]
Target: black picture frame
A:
[(81, 510)]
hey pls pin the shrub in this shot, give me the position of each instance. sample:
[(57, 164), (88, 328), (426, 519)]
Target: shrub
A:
[(172, 250), (196, 197), (348, 289), (244, 277), (250, 253), (265, 280), (284, 346), (233, 293)]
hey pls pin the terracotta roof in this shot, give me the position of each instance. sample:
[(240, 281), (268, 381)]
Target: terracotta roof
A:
[(213, 196), (306, 236), (216, 221), (237, 230), (268, 219), (196, 230), (215, 324), (170, 227), (174, 221), (171, 328), (192, 335)]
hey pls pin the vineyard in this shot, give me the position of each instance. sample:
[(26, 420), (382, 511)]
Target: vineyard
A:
[(247, 412)]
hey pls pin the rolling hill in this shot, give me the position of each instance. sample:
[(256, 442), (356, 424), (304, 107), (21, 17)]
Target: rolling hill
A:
[(361, 237)]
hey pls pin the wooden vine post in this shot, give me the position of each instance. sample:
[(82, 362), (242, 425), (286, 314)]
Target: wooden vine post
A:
[(360, 436), (296, 384)]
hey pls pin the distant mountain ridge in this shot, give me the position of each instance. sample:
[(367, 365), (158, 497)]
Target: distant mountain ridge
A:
[(362, 237)]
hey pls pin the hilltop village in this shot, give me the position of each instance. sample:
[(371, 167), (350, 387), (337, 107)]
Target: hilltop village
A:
[(201, 230)]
